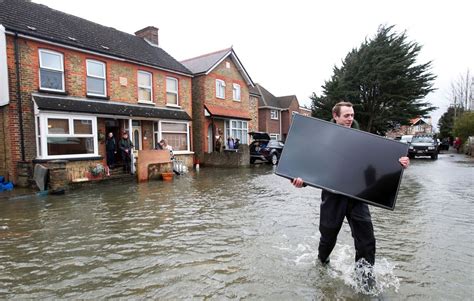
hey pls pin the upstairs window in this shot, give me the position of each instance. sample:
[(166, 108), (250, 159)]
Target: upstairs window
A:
[(236, 92), (274, 114), (172, 91), (51, 75), (96, 78), (220, 88), (145, 90)]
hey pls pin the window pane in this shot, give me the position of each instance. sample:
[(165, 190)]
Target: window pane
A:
[(144, 79), (171, 98), (82, 126), (177, 141), (51, 60), (95, 86), (155, 126), (144, 94), (58, 126), (51, 79), (171, 85), (70, 146), (175, 127), (95, 69)]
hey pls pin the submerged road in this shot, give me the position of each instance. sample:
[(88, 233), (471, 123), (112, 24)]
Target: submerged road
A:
[(236, 234)]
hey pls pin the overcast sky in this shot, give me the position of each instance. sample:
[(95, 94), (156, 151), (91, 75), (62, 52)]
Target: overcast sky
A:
[(290, 47)]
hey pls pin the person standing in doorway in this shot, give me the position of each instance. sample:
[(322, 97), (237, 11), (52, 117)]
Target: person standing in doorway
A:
[(111, 150), (125, 146), (335, 207)]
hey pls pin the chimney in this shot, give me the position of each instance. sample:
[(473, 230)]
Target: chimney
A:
[(150, 34)]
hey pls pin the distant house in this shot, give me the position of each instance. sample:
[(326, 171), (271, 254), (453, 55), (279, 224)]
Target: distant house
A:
[(72, 81), (223, 102), (418, 125), (275, 113)]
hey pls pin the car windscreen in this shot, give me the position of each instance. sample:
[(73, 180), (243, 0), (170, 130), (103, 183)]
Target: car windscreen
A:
[(422, 140), (274, 143)]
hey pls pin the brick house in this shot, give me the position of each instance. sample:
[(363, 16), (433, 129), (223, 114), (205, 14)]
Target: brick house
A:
[(417, 126), (222, 100), (71, 81), (275, 113)]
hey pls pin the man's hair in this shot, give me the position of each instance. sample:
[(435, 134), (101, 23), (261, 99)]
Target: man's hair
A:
[(337, 108)]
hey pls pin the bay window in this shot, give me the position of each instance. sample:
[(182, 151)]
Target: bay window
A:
[(176, 134), (237, 129), (66, 136)]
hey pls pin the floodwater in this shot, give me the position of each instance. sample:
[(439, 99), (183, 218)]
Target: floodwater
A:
[(236, 234)]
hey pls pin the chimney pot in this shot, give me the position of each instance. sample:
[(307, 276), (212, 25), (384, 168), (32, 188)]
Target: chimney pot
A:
[(149, 33)]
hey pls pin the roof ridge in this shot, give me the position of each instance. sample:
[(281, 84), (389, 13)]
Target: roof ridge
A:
[(207, 54)]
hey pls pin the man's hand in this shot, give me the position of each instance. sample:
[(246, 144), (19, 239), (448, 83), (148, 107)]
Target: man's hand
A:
[(404, 161), (297, 182)]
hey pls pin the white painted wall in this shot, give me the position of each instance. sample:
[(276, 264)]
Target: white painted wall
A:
[(4, 93)]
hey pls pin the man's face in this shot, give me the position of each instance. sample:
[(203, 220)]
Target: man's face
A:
[(346, 116)]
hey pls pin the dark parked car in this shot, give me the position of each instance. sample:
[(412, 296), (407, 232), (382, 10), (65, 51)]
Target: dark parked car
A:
[(265, 149), (443, 145), (423, 146)]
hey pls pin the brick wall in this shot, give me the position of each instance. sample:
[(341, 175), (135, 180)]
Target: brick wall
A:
[(204, 92), (287, 117), (75, 85)]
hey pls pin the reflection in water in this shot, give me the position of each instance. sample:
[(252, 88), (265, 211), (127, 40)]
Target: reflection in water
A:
[(234, 234)]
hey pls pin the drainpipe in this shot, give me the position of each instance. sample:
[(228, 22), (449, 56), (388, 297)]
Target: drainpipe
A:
[(281, 117), (18, 97)]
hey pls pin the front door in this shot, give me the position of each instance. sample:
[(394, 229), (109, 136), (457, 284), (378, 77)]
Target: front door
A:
[(209, 139), (137, 136)]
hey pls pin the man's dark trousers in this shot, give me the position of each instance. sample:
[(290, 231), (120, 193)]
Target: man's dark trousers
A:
[(334, 207)]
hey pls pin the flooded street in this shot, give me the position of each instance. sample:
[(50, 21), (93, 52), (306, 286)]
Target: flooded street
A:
[(236, 234)]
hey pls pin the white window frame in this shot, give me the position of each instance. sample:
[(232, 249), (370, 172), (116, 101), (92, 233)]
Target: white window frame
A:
[(150, 87), (236, 92), (43, 134), (274, 114), (228, 129), (172, 92), (220, 88), (188, 141), (97, 77), (274, 137), (52, 69)]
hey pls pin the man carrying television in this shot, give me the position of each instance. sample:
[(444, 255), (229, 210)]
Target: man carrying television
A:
[(334, 207)]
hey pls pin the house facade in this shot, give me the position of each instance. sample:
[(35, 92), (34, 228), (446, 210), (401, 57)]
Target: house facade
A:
[(276, 113), (223, 104), (71, 82), (417, 126)]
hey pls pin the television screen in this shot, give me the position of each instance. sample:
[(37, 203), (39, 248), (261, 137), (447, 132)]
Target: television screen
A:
[(343, 160)]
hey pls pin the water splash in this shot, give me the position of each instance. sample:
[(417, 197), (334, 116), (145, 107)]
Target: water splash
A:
[(361, 276)]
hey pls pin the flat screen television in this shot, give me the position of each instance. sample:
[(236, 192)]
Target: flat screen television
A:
[(343, 160)]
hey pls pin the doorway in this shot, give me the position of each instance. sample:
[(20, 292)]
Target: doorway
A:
[(113, 126), (209, 139)]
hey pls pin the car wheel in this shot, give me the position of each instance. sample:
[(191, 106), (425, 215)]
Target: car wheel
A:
[(274, 160), (434, 157), (252, 160), (411, 156)]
